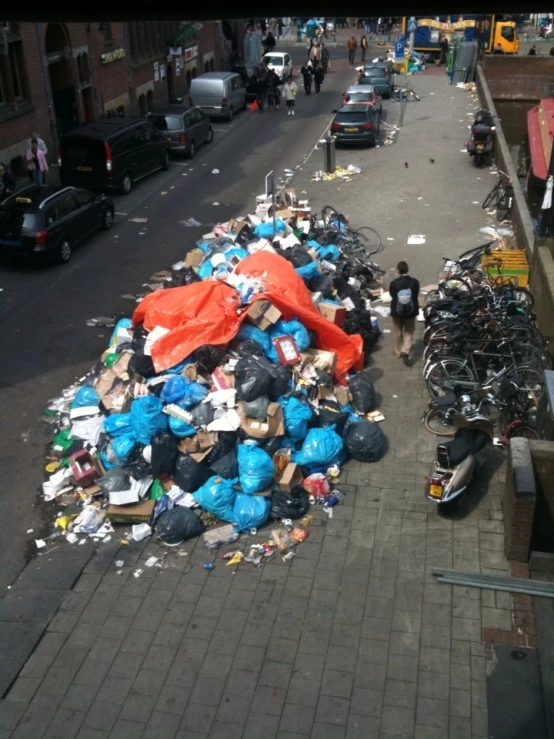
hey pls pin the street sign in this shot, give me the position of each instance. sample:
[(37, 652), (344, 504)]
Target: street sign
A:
[(399, 47), (412, 25)]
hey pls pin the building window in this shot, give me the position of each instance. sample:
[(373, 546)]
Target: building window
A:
[(13, 84)]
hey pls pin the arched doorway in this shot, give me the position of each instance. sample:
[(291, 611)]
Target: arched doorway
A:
[(142, 105), (170, 83), (62, 82), (189, 78), (149, 100)]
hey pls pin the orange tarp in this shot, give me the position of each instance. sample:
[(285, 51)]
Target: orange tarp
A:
[(206, 313)]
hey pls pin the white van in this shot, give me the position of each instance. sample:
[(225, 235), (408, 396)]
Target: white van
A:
[(218, 94)]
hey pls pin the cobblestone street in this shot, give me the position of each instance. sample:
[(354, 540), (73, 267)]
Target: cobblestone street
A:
[(353, 639)]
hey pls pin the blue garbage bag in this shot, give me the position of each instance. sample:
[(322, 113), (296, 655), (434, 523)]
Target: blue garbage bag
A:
[(118, 424), (256, 471), (174, 389), (329, 252), (147, 417), (181, 429), (250, 511), (178, 368), (297, 415), (122, 323), (85, 396), (204, 245), (265, 230), (194, 393), (205, 270), (308, 270), (321, 446), (247, 331), (217, 496), (121, 448), (236, 251), (291, 328)]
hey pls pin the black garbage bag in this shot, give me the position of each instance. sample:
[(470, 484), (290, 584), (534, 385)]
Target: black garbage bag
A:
[(202, 414), (139, 338), (272, 445), (164, 453), (114, 481), (344, 291), (142, 365), (226, 442), (358, 321), (186, 276), (297, 256), (363, 393), (280, 378), (321, 284), (252, 379), (189, 474), (136, 466), (330, 413), (245, 236), (256, 408), (366, 442), (227, 466), (289, 505), (247, 347), (209, 357), (324, 379), (177, 525)]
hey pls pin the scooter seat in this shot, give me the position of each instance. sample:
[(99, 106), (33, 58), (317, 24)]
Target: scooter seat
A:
[(465, 442)]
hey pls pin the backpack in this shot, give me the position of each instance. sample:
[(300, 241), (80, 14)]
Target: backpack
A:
[(404, 302)]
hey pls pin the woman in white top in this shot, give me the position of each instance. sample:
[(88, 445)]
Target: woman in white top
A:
[(290, 91)]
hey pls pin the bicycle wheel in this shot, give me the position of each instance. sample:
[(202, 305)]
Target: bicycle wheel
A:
[(520, 429), (503, 204), (370, 240), (415, 96), (431, 297), (491, 197), (528, 379), (444, 376), (437, 422)]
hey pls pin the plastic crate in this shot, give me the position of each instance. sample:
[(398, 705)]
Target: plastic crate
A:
[(507, 263)]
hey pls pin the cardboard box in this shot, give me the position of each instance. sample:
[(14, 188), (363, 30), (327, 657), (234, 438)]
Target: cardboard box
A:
[(269, 318), (133, 513), (85, 467), (284, 214), (341, 394), (274, 424), (105, 380), (201, 443), (322, 360), (235, 226), (194, 258), (291, 477), (332, 312), (120, 367), (263, 314), (124, 497), (118, 400)]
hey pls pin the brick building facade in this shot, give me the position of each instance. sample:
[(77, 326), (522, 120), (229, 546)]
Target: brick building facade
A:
[(56, 76)]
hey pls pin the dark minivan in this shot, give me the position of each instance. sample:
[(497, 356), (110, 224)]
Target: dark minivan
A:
[(111, 153), (184, 128)]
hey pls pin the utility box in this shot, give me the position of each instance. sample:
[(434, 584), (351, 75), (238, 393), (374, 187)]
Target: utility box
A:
[(545, 412), (329, 164)]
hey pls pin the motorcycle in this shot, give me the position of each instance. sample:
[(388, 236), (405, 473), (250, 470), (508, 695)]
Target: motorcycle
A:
[(481, 142), (455, 461)]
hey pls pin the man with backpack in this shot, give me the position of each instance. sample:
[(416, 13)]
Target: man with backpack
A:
[(404, 291)]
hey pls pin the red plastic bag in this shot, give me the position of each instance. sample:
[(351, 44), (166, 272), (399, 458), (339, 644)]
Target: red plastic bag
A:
[(254, 106)]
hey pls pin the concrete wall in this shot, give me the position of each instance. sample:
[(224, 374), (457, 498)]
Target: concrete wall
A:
[(519, 77), (542, 454)]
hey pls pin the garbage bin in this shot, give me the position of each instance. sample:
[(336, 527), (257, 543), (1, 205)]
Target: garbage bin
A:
[(329, 165)]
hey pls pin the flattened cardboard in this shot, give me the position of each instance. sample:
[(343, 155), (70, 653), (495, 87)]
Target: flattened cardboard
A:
[(120, 367), (333, 313), (194, 258), (274, 424), (291, 477), (201, 442), (322, 360), (284, 214), (134, 513), (118, 400), (190, 371), (341, 394), (104, 383)]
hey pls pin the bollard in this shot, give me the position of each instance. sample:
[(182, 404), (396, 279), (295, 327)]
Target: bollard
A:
[(329, 165)]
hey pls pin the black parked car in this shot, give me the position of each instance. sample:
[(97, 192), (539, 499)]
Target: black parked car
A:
[(111, 153), (356, 123), (184, 128), (47, 222)]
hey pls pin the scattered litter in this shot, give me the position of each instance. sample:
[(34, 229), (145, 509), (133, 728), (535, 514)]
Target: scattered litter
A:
[(137, 573), (119, 562), (215, 171), (385, 330), (389, 238), (40, 543), (102, 322), (416, 239), (215, 203), (30, 531), (164, 192), (385, 312), (395, 396), (151, 561), (72, 538), (141, 531), (138, 220)]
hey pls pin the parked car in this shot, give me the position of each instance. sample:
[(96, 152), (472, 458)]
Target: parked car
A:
[(377, 75), (281, 62), (356, 123), (185, 129), (47, 222), (363, 94), (111, 154), (218, 94)]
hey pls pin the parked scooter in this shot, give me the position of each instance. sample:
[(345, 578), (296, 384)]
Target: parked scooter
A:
[(454, 464), (481, 141)]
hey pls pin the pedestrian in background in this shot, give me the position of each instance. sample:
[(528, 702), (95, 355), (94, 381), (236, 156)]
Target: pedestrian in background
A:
[(8, 185), (404, 291), (325, 58), (41, 146), (36, 163), (319, 76), (352, 45), (363, 46), (290, 91), (443, 50), (307, 75), (315, 53)]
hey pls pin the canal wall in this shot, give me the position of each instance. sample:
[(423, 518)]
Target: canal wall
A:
[(540, 252), (519, 77)]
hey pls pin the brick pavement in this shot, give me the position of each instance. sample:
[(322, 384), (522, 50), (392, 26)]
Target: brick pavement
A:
[(352, 639)]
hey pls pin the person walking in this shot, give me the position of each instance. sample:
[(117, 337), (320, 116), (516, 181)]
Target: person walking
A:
[(319, 76), (36, 162), (276, 88), (8, 185), (352, 45), (363, 46), (269, 43), (443, 50), (307, 76), (290, 91), (315, 53), (404, 291), (261, 88), (41, 145), (325, 58)]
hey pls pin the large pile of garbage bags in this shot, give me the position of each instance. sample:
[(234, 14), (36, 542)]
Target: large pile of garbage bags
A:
[(232, 396)]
